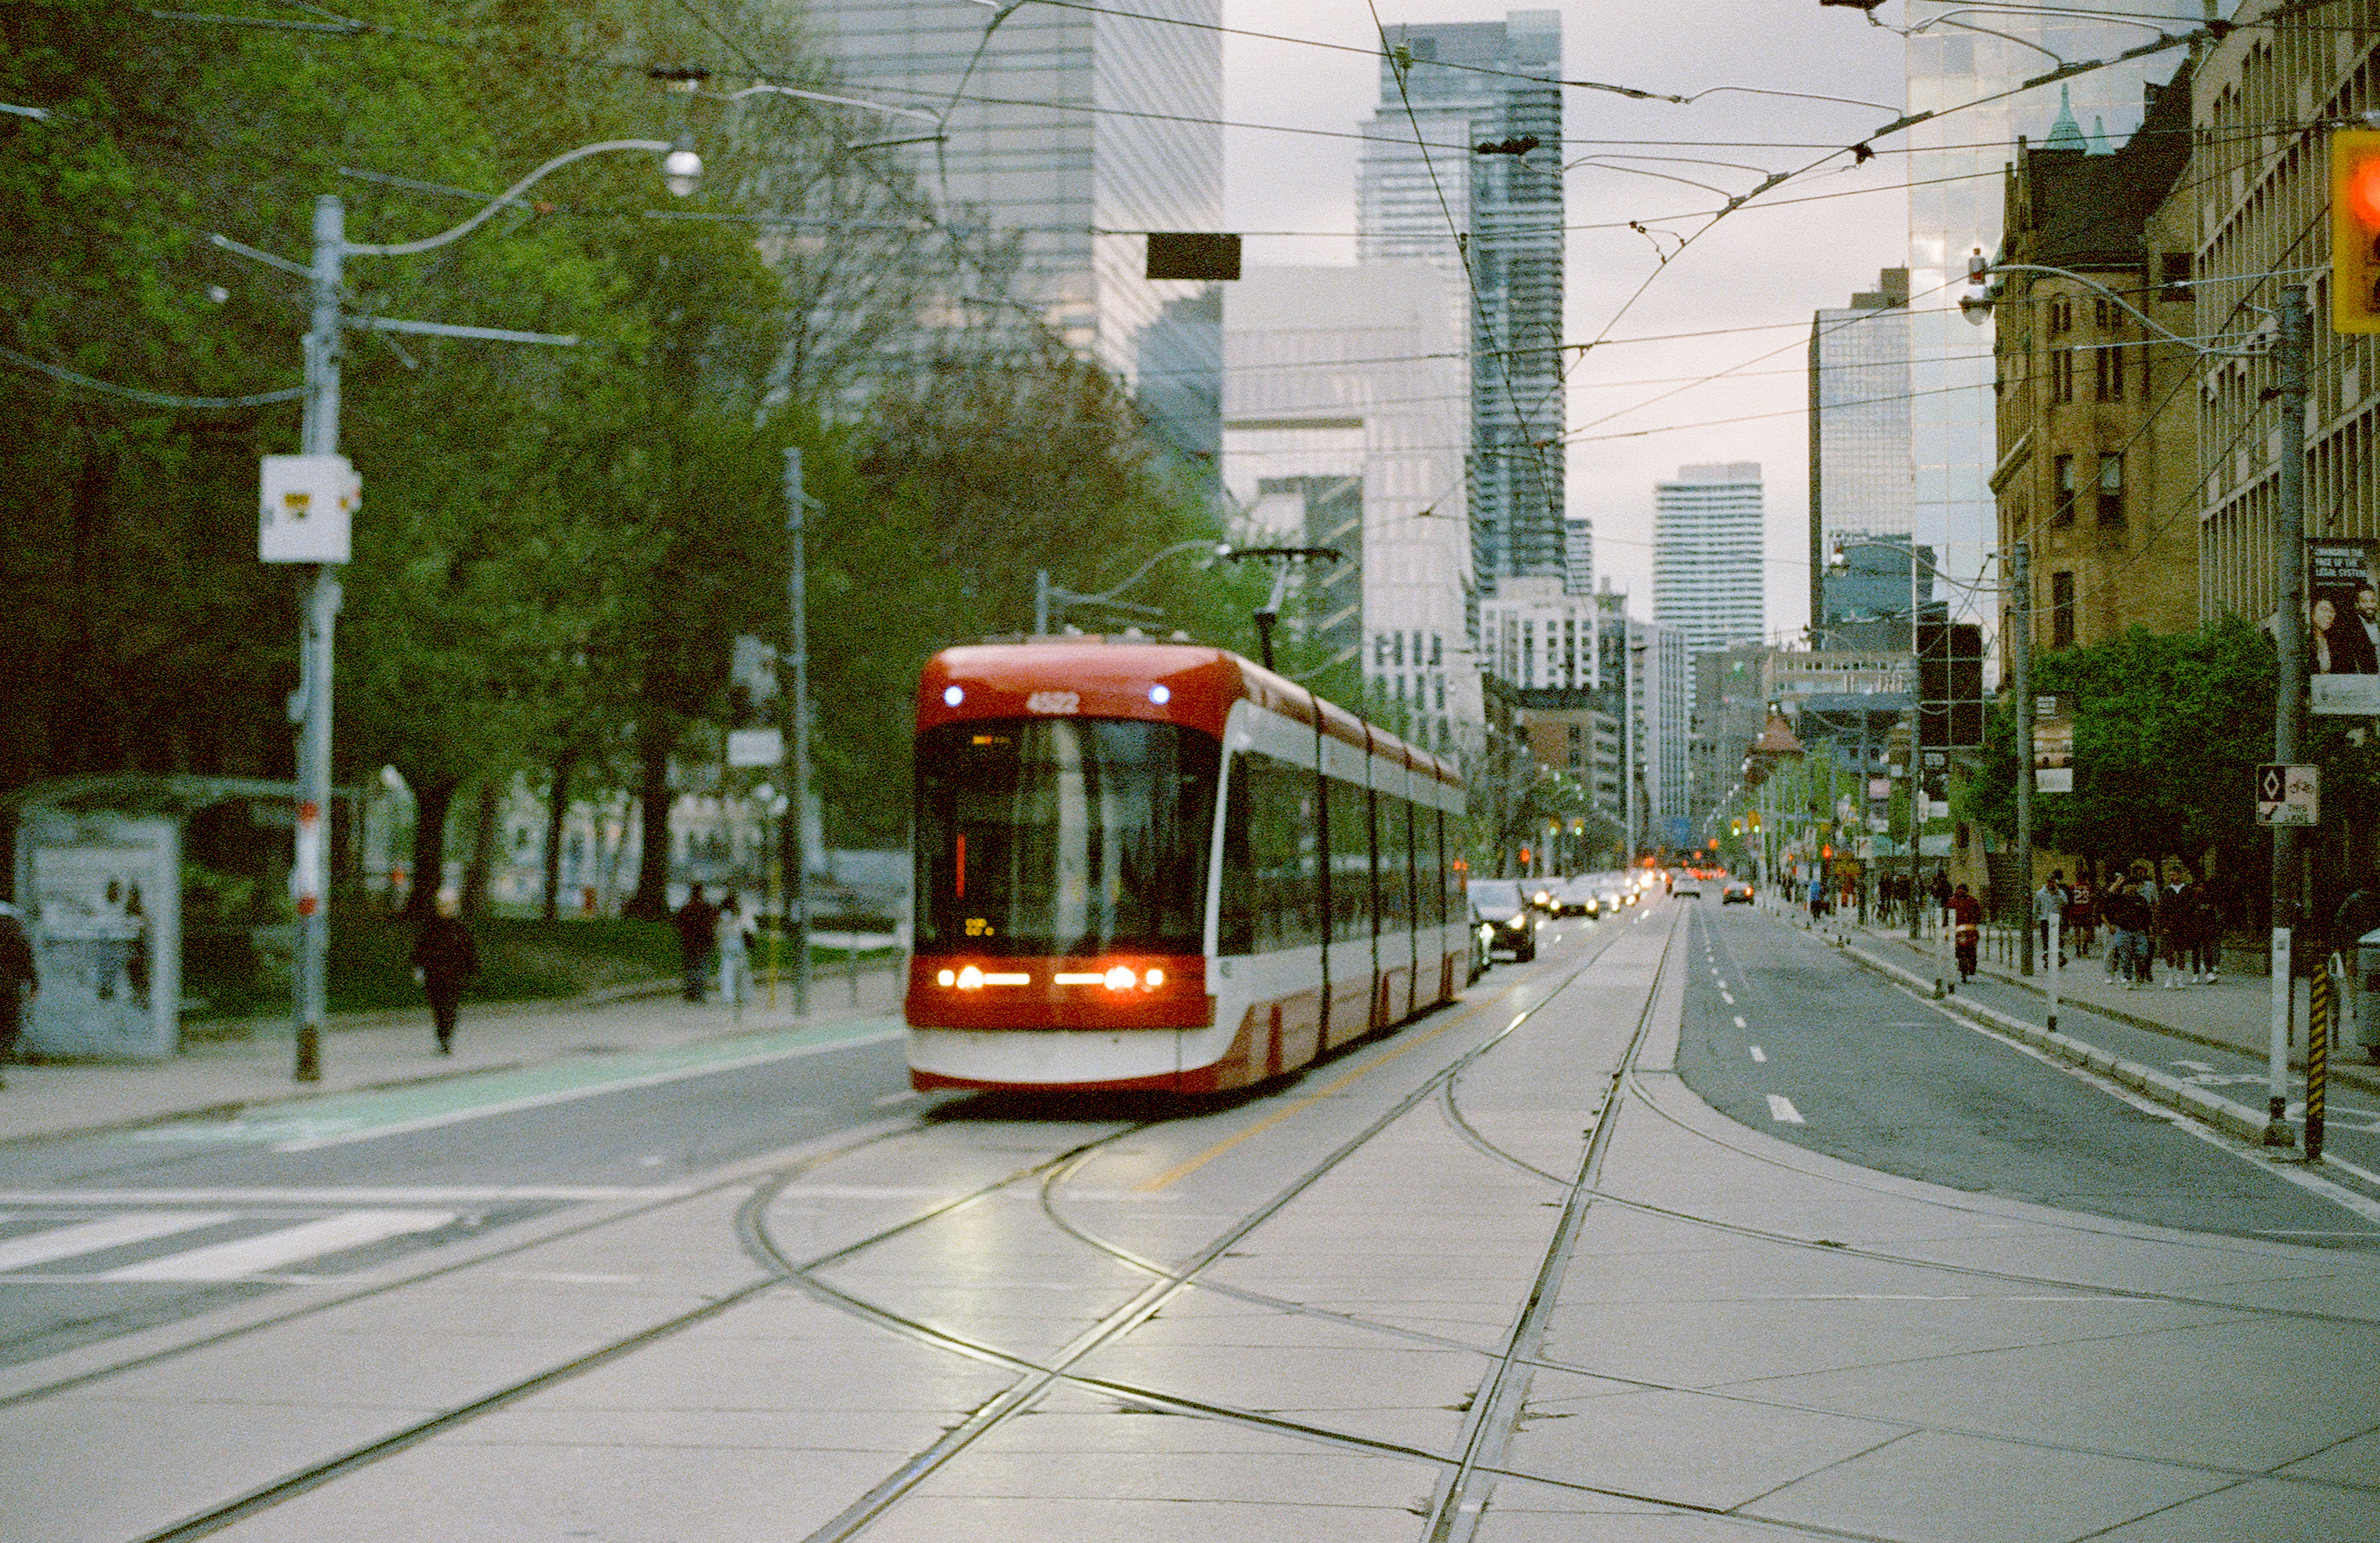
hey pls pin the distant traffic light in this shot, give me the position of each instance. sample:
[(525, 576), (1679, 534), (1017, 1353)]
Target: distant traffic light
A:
[(2355, 230)]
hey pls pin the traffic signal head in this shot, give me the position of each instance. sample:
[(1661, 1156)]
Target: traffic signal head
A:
[(2355, 230)]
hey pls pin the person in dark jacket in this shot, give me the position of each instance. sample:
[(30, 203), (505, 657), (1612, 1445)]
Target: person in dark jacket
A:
[(18, 980), (444, 958), (696, 922)]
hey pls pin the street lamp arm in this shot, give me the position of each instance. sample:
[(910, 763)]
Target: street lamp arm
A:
[(2143, 317), (1143, 573), (429, 243)]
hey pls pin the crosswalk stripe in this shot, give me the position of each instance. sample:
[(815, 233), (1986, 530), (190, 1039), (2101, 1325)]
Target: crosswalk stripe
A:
[(253, 1256), (90, 1237)]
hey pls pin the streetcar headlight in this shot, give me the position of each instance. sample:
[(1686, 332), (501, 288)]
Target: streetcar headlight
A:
[(952, 696), (948, 977), (1119, 978), (970, 979), (1156, 978), (1160, 695)]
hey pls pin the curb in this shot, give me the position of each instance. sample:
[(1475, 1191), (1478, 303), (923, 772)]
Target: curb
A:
[(2232, 1120), (2364, 1077), (233, 1109)]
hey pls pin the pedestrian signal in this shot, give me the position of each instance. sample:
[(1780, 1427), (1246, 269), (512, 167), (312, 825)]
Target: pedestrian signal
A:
[(2355, 230)]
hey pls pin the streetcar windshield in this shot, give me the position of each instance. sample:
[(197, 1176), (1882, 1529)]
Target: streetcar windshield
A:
[(1066, 836)]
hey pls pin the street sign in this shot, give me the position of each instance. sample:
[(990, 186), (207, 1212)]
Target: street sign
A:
[(2287, 795), (755, 746), (2053, 743)]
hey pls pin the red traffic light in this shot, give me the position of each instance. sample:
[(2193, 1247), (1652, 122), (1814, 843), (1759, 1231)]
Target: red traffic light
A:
[(2355, 230)]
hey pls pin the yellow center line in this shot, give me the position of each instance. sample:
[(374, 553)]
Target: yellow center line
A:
[(1191, 1165)]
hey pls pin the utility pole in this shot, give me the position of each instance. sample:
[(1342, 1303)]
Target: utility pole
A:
[(2288, 698), (794, 837), (318, 436), (2021, 669)]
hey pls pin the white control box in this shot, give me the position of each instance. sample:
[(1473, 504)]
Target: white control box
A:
[(305, 508)]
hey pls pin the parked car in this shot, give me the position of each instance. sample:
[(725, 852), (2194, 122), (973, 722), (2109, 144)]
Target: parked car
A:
[(1512, 921), (1736, 892)]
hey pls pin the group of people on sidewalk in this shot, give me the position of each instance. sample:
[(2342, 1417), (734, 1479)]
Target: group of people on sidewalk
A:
[(2146, 918)]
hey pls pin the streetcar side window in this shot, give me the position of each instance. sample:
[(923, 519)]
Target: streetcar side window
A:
[(1416, 901), (1272, 867), (1447, 877), (1351, 860), (1395, 884)]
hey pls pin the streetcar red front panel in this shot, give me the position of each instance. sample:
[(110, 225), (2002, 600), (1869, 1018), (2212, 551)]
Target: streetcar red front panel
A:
[(1100, 991)]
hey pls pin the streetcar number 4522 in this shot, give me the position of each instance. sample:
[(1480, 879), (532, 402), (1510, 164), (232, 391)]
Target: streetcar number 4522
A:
[(1054, 702)]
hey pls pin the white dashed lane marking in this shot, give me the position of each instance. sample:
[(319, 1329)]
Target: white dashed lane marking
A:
[(1759, 1054), (1781, 1110), (1740, 1023), (1724, 997)]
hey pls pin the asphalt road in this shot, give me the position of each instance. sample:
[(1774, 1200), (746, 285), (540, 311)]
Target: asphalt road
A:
[(1786, 1034), (184, 1218)]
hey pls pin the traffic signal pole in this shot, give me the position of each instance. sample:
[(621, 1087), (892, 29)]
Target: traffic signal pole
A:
[(2021, 674), (2288, 698)]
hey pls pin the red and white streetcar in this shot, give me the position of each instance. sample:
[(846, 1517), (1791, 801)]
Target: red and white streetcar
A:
[(1163, 867)]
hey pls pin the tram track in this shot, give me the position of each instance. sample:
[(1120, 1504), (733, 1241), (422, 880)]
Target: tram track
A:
[(1165, 1285), (1466, 1479)]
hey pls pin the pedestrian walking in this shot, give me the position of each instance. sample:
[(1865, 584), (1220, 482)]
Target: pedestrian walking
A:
[(2128, 926), (2205, 931), (18, 981), (696, 922), (1967, 919), (733, 940), (2081, 915), (2048, 906), (444, 958)]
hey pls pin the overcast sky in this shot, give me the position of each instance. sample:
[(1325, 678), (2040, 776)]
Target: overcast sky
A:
[(1765, 268)]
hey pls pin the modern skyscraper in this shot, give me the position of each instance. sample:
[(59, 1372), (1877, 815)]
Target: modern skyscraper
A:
[(1578, 554), (1955, 208), (1707, 533), (1343, 418), (1862, 481), (1026, 152), (1495, 222)]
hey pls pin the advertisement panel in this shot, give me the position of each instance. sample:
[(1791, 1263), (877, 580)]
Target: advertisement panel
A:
[(2053, 743), (101, 896), (2343, 627)]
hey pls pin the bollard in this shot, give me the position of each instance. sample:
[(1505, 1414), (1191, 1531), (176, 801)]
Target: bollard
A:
[(2056, 963), (2321, 1001)]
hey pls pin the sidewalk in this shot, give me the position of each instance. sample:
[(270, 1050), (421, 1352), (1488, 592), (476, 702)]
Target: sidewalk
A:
[(367, 1051), (2231, 1012)]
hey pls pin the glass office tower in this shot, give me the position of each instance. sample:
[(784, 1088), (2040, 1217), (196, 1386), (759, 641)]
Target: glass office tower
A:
[(1496, 223), (1709, 535), (1955, 207), (1071, 133)]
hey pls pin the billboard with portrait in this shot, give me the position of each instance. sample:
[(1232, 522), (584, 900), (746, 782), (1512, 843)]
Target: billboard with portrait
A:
[(2343, 627)]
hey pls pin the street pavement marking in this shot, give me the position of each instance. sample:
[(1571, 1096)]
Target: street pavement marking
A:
[(253, 1256), (889, 1099), (1740, 1023), (90, 1237), (1757, 1053), (456, 1194), (1781, 1110), (1724, 997)]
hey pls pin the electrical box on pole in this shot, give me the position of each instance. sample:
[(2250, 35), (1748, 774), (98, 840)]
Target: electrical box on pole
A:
[(306, 507), (2355, 230)]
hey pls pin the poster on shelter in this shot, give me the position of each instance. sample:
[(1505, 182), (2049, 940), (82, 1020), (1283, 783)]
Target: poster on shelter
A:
[(2343, 627), (104, 913)]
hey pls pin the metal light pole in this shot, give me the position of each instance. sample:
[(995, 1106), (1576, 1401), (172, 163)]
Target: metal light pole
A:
[(794, 836), (2288, 697), (319, 435), (2021, 672)]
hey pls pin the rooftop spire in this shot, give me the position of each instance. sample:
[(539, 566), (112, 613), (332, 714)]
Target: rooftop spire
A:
[(2065, 134)]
